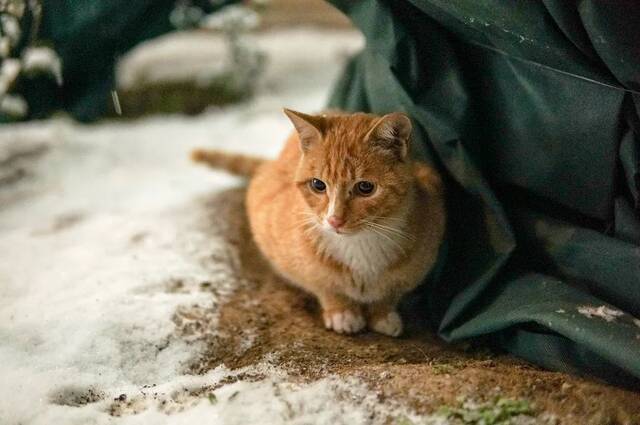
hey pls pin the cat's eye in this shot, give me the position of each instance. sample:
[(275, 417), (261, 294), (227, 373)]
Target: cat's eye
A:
[(317, 185), (365, 188)]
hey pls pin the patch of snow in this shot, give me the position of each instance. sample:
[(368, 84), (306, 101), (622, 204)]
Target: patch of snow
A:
[(636, 322), (249, 338), (5, 47), (232, 17), (10, 28), (603, 312), (183, 56), (260, 393), (8, 73), (191, 56), (42, 59), (96, 232), (14, 105)]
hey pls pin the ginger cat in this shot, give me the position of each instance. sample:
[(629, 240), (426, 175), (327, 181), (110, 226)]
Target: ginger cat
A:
[(344, 214)]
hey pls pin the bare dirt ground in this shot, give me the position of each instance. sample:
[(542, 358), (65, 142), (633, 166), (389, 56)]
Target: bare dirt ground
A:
[(287, 13), (417, 370)]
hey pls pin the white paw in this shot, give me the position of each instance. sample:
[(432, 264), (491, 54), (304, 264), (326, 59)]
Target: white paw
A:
[(344, 321), (391, 324)]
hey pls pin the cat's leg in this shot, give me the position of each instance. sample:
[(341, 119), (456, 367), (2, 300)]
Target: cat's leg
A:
[(383, 317), (340, 313)]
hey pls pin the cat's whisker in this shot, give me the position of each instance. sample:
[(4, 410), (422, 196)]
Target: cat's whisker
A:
[(396, 219), (385, 221), (400, 233), (390, 239), (307, 218), (393, 230), (397, 231), (305, 223), (309, 231), (308, 222), (305, 214), (372, 225), (311, 225)]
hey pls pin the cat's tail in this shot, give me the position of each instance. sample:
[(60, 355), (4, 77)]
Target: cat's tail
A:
[(238, 164)]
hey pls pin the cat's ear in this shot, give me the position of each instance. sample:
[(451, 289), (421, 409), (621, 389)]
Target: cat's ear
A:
[(391, 133), (309, 128)]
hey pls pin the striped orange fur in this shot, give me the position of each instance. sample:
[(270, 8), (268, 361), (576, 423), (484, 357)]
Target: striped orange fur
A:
[(345, 214)]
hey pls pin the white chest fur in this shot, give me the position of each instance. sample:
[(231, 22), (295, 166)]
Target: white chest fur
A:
[(367, 253)]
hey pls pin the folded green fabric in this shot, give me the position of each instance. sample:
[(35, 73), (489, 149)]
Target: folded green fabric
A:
[(530, 109)]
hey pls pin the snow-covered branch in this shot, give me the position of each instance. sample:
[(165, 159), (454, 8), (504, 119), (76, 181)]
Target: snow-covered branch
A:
[(32, 61)]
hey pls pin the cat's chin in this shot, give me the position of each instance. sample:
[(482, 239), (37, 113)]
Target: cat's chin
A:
[(340, 232)]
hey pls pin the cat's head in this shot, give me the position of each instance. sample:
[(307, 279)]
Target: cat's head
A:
[(354, 170)]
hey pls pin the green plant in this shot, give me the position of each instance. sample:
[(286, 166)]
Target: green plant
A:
[(500, 411)]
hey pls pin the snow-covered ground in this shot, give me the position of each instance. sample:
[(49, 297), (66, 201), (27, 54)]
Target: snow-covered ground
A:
[(102, 244)]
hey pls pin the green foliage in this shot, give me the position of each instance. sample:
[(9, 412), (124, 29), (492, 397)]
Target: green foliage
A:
[(498, 412), (212, 398), (404, 421)]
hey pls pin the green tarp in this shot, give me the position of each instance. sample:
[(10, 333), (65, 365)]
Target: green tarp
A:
[(531, 109)]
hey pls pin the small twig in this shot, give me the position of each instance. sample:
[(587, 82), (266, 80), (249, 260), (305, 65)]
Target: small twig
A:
[(116, 102)]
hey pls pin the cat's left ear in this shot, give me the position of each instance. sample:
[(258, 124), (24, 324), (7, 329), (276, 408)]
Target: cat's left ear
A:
[(391, 133), (309, 128)]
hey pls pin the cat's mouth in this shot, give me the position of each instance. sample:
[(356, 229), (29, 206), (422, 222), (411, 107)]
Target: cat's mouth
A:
[(342, 231), (334, 231)]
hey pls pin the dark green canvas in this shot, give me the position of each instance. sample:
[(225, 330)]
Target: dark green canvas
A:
[(530, 109)]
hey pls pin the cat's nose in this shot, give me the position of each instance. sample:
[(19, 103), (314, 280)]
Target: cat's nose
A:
[(335, 221)]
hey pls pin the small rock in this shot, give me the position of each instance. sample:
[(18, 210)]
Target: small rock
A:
[(385, 375)]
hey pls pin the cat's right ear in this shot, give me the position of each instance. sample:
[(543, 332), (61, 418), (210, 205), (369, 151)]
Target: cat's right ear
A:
[(309, 128)]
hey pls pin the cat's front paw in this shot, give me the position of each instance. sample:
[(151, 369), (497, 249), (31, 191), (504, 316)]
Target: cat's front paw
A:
[(388, 324), (344, 321)]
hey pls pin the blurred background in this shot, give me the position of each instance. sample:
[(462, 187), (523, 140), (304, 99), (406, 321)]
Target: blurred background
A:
[(93, 60), (139, 84)]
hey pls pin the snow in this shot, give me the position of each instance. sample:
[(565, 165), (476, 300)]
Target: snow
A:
[(291, 70), (603, 312), (10, 28), (272, 399), (9, 70), (99, 224), (14, 105), (42, 59), (179, 57), (5, 47), (232, 17)]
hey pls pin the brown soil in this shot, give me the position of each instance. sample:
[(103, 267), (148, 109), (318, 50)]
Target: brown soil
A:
[(288, 13), (419, 369)]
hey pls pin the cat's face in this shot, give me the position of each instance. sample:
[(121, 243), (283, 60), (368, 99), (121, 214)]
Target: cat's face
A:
[(353, 173)]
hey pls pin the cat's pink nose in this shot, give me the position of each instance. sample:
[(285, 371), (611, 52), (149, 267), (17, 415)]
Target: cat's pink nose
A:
[(335, 221)]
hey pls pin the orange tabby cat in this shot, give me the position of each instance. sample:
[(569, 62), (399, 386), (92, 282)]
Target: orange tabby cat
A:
[(345, 214)]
